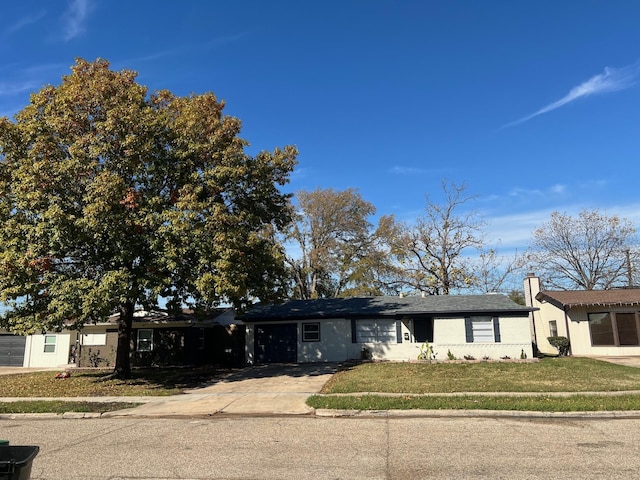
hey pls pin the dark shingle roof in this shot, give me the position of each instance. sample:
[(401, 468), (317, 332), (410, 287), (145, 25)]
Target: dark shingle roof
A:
[(164, 317), (443, 305), (576, 298)]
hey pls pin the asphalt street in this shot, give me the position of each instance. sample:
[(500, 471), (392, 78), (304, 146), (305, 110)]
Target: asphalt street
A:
[(308, 447)]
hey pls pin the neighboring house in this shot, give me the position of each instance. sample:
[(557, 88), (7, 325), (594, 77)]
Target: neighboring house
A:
[(391, 328), (596, 322), (158, 338), (46, 350)]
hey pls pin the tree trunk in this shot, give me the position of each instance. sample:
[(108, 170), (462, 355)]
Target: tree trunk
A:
[(123, 354)]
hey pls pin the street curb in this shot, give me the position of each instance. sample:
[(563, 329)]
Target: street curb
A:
[(472, 414), (329, 413)]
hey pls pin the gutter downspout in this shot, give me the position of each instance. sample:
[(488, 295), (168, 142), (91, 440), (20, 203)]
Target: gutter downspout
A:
[(566, 326), (533, 317)]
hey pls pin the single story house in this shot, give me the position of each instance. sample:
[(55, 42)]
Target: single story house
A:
[(596, 322), (386, 327), (158, 338)]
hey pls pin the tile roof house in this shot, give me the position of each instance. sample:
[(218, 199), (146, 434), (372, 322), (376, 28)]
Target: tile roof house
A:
[(385, 327), (596, 322)]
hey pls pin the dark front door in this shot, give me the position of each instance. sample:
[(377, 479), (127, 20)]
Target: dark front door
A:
[(276, 343), (423, 329), (12, 350)]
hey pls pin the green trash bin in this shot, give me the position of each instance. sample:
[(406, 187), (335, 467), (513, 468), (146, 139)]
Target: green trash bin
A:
[(16, 461)]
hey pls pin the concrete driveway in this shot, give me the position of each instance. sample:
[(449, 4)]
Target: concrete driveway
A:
[(628, 361), (258, 390)]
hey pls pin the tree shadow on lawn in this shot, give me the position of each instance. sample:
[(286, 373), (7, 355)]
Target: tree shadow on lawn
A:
[(166, 378), (191, 377)]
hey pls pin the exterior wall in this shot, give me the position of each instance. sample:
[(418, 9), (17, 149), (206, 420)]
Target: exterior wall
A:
[(97, 355), (573, 324), (335, 343), (541, 320), (581, 335), (35, 356), (515, 339)]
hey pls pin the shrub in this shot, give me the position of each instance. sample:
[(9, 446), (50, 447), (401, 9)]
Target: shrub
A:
[(561, 344), (366, 354), (426, 352)]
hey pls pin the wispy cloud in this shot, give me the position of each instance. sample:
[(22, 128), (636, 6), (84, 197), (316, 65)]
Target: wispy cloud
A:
[(185, 48), (24, 22), (515, 231), (13, 88), (528, 193), (402, 170), (74, 18), (611, 80)]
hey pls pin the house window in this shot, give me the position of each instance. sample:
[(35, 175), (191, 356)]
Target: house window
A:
[(310, 332), (375, 331), (94, 339), (614, 328), (145, 340), (482, 329), (49, 344), (553, 328)]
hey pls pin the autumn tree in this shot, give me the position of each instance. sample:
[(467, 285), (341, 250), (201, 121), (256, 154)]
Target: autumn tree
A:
[(433, 254), (590, 251), (495, 273), (112, 198), (329, 240)]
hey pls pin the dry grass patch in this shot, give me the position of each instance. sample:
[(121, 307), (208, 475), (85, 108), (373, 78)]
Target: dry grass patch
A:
[(88, 383)]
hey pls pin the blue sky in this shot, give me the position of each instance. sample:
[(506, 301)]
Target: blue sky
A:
[(535, 105)]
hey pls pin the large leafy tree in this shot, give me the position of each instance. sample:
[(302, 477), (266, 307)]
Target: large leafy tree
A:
[(111, 198), (331, 241), (590, 251)]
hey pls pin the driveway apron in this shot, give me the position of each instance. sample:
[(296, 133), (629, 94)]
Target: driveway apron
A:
[(255, 390)]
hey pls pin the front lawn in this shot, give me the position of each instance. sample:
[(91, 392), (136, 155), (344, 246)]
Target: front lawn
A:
[(530, 403), (450, 386), (88, 383), (564, 374), (61, 406)]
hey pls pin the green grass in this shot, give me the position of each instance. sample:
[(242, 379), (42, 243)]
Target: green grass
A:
[(88, 383), (540, 403), (413, 382), (565, 374), (61, 406)]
